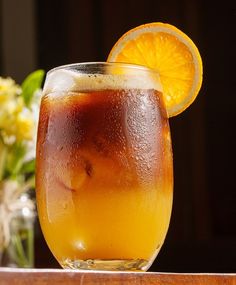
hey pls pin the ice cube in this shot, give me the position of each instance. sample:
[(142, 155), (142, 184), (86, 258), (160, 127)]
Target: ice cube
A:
[(59, 81)]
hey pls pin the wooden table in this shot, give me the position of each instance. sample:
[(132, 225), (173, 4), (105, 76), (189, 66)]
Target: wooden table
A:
[(52, 277)]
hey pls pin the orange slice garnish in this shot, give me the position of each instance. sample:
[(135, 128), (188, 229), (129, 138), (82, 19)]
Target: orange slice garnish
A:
[(169, 51)]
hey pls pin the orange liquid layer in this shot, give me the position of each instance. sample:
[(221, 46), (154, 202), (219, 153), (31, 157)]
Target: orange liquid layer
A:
[(111, 201), (107, 224)]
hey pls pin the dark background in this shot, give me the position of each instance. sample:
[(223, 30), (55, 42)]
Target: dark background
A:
[(202, 233)]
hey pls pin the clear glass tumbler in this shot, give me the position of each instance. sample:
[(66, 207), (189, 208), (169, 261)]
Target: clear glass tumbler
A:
[(104, 166)]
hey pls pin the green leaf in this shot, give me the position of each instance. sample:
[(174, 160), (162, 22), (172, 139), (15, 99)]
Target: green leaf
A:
[(31, 84), (28, 166), (15, 158)]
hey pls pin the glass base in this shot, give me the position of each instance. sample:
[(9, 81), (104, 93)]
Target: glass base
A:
[(111, 265)]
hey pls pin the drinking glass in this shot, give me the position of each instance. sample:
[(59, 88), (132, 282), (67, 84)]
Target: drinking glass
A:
[(104, 174)]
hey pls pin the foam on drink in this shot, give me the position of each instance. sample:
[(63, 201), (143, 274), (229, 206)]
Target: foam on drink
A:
[(68, 80)]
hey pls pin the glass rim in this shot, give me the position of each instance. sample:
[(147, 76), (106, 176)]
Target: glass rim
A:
[(100, 64)]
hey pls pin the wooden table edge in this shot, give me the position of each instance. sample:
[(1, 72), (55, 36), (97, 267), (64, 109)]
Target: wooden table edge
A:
[(71, 277)]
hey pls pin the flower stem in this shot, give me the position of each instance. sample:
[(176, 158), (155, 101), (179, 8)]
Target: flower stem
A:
[(20, 257), (3, 154), (22, 251), (30, 247)]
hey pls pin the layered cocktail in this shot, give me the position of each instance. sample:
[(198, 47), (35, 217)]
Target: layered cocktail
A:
[(104, 166)]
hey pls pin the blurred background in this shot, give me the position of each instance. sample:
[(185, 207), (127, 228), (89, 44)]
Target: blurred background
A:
[(44, 34)]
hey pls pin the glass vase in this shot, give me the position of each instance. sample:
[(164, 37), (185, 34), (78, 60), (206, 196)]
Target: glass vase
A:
[(20, 250)]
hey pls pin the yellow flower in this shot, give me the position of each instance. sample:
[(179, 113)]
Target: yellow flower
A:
[(20, 125), (24, 125), (8, 89), (9, 111), (17, 122)]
